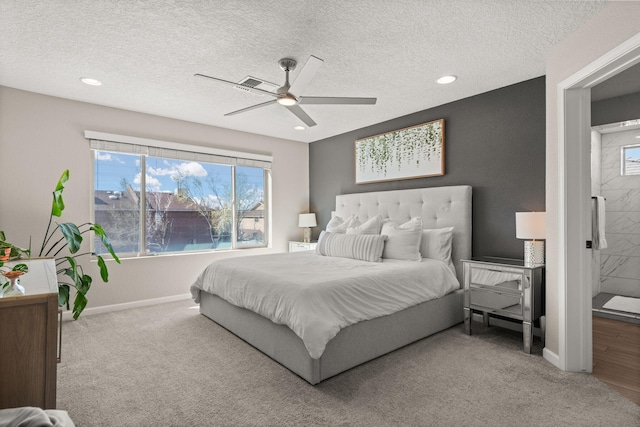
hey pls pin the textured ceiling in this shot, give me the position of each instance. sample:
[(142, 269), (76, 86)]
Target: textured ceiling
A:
[(146, 52)]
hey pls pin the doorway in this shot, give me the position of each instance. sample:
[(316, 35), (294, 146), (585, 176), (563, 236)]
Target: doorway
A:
[(574, 204)]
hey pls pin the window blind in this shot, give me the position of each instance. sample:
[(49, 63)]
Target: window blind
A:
[(173, 150)]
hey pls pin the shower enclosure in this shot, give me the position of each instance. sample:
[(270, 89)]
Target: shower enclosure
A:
[(615, 175)]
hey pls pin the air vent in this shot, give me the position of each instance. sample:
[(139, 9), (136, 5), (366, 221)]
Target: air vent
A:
[(253, 82)]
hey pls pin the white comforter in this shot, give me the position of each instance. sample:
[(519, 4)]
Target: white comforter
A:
[(317, 295)]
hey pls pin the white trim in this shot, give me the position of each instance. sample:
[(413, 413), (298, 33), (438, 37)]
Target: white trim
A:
[(608, 65), (551, 357), (68, 314), (574, 293), (89, 134)]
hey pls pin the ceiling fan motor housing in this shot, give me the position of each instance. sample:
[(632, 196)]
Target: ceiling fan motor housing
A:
[(287, 64)]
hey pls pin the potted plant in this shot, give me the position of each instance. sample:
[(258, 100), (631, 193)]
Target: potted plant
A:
[(9, 250), (63, 241)]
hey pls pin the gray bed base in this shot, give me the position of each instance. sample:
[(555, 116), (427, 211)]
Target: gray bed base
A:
[(438, 207), (352, 346)]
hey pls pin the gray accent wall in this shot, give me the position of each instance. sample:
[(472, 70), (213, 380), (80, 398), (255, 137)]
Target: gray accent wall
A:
[(494, 142), (614, 110)]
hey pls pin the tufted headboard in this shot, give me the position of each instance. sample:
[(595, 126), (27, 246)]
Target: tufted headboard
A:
[(439, 207)]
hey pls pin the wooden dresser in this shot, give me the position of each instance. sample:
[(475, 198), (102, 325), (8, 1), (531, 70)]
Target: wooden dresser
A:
[(28, 339)]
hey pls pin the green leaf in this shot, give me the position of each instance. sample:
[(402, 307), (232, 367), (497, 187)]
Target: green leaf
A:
[(72, 272), (63, 295), (104, 272), (85, 284), (58, 203), (72, 236), (79, 303), (21, 267), (99, 231)]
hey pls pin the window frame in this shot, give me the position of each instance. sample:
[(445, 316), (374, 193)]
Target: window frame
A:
[(257, 161), (623, 159)]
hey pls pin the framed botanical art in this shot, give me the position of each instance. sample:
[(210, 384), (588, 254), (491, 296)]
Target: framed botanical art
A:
[(413, 152)]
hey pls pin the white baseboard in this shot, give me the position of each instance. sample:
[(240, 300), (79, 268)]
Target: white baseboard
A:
[(68, 314), (551, 357)]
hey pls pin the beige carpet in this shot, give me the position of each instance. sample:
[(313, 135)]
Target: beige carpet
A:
[(167, 365)]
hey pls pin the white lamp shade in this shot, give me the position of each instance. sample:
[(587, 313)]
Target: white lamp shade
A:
[(307, 220), (530, 225)]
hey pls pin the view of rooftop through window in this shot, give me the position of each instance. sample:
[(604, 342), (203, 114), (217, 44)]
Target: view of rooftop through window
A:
[(188, 205), (631, 156)]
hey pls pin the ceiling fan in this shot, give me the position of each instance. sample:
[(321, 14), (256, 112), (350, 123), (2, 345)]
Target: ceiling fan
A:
[(285, 95)]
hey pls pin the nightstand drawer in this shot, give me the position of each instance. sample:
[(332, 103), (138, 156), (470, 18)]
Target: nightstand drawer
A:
[(496, 301), (503, 280), (302, 246)]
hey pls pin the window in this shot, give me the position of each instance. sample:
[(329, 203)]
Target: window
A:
[(631, 160), (183, 202)]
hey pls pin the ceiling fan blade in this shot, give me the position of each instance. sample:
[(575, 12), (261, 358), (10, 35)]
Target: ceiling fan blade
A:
[(248, 88), (253, 107), (309, 70), (331, 100), (299, 113)]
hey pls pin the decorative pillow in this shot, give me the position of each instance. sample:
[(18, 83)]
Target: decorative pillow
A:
[(363, 247), (403, 241), (339, 225), (371, 226), (436, 244)]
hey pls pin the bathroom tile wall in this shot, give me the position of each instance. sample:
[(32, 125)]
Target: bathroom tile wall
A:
[(620, 262)]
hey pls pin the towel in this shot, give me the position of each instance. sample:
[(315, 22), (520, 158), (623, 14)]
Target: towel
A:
[(598, 223)]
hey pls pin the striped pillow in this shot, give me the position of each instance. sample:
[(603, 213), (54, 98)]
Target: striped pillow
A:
[(363, 247)]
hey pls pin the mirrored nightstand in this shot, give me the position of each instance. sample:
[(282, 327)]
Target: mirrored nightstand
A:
[(505, 288)]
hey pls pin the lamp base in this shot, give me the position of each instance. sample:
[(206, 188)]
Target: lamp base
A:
[(533, 252), (306, 235)]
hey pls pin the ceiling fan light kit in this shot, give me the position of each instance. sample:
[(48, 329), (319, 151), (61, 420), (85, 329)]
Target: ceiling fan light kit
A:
[(284, 95), (287, 100)]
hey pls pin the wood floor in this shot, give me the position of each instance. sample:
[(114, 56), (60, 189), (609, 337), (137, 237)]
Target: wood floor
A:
[(616, 356)]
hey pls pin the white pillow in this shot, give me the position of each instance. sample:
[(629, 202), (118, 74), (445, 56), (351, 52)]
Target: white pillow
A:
[(403, 241), (363, 247), (339, 225), (371, 226), (436, 244)]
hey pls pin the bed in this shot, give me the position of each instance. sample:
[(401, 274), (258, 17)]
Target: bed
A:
[(357, 341)]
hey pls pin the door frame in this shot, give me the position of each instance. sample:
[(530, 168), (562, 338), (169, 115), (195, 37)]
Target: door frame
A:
[(575, 352)]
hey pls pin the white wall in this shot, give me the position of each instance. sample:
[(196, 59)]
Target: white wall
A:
[(616, 23), (40, 136)]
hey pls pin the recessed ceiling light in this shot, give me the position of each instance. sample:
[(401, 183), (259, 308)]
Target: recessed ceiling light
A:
[(444, 80), (299, 128), (90, 81)]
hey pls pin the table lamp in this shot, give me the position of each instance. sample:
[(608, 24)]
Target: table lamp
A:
[(531, 225), (307, 221)]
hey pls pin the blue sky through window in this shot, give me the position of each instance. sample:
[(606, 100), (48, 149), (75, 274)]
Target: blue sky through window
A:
[(632, 153), (113, 170)]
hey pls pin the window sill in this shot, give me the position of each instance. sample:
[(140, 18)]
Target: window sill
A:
[(128, 257)]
